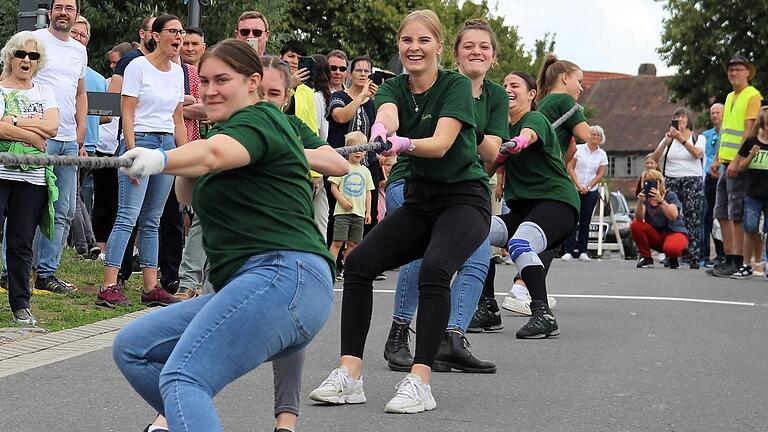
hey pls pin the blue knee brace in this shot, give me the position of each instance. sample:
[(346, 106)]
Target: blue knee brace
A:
[(528, 241)]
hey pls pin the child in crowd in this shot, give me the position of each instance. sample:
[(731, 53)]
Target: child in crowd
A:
[(754, 158), (650, 164), (353, 199)]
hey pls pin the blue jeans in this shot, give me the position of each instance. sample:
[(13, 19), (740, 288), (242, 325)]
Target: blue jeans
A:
[(753, 208), (140, 205), (465, 289), (49, 253), (179, 357)]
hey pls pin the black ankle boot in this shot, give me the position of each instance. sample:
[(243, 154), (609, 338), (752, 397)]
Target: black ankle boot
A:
[(541, 325), (487, 317), (454, 354), (397, 353)]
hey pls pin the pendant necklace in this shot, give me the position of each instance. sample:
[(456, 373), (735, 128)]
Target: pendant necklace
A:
[(410, 88)]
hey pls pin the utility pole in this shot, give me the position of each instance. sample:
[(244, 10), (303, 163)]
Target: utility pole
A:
[(194, 13)]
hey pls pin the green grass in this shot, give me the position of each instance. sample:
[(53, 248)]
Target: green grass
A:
[(56, 312)]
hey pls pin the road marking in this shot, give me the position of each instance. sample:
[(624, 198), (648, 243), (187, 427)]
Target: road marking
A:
[(615, 297)]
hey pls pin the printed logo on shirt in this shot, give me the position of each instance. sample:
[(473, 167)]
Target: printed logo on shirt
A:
[(426, 116), (354, 185)]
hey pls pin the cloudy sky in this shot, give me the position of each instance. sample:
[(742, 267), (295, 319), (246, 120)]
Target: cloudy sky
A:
[(598, 35)]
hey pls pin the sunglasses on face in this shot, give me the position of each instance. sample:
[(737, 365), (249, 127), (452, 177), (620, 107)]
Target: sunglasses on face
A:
[(20, 54), (256, 32), (335, 68)]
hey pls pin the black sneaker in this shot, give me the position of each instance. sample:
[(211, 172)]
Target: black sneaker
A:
[(673, 263), (397, 352), (487, 317), (542, 323), (725, 270), (172, 288), (694, 265), (454, 354), (744, 272), (381, 277), (645, 262), (709, 263), (54, 285)]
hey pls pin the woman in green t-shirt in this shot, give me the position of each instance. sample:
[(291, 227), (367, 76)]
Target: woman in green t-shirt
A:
[(444, 218), (269, 265), (475, 51), (543, 203)]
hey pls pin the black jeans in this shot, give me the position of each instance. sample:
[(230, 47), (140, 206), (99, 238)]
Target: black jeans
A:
[(21, 207), (171, 240), (577, 243), (444, 224)]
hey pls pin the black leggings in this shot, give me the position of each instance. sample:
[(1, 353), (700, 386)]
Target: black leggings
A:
[(442, 223), (21, 207), (557, 219)]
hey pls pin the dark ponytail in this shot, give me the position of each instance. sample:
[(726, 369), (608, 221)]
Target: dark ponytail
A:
[(157, 27)]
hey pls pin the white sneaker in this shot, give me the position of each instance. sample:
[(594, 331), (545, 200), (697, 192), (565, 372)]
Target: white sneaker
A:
[(339, 388), (521, 305), (567, 257), (412, 397), (584, 257)]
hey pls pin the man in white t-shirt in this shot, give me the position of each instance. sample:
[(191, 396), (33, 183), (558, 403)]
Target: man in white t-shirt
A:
[(64, 72)]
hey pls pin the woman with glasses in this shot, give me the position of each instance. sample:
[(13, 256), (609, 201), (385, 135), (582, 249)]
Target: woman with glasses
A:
[(152, 100), (29, 115)]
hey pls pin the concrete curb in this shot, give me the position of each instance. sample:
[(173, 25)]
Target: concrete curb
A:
[(25, 354)]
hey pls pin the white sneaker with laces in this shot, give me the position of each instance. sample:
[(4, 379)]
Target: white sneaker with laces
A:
[(339, 388), (521, 304), (412, 397), (584, 257), (567, 257)]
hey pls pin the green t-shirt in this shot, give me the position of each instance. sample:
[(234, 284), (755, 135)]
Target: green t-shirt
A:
[(450, 96), (353, 186), (263, 206), (492, 110), (309, 139), (553, 106), (538, 172)]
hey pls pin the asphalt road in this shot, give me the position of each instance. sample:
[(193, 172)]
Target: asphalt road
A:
[(621, 364)]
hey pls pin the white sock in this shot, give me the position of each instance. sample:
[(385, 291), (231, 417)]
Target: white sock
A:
[(154, 428), (519, 291)]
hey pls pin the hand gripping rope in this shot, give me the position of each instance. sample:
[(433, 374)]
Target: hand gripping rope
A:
[(506, 146), (119, 162)]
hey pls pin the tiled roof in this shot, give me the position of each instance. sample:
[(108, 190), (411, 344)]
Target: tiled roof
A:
[(591, 77), (635, 111)]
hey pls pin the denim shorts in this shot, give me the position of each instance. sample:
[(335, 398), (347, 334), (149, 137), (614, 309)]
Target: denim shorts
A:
[(753, 208)]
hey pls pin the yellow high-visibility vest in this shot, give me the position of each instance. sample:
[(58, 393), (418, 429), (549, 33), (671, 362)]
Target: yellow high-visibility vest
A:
[(732, 130)]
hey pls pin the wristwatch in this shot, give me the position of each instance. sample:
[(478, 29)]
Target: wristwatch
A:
[(15, 120)]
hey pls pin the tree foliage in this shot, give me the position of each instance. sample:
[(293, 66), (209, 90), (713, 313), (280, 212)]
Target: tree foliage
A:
[(701, 35), (360, 27)]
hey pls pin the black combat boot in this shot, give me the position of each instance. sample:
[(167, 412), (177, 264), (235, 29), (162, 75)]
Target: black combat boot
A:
[(454, 354), (397, 353)]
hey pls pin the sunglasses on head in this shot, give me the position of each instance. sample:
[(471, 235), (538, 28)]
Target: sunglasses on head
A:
[(20, 54), (335, 68), (256, 32)]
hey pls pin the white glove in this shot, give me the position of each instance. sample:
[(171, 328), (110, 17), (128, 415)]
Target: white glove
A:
[(146, 162)]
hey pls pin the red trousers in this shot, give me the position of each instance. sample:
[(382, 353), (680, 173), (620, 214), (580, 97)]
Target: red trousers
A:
[(646, 237)]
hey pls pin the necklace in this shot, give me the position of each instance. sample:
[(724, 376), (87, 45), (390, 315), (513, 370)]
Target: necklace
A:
[(410, 88)]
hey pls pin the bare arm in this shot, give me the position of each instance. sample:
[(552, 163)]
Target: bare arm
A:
[(46, 127), (180, 131), (367, 218), (115, 84), (327, 161), (596, 179), (489, 148), (13, 133), (200, 157), (81, 111), (744, 162), (128, 108), (184, 187), (387, 115), (195, 111), (696, 152), (661, 148), (440, 142), (571, 167), (344, 115)]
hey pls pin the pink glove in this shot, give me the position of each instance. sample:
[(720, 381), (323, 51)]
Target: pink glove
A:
[(520, 142), (378, 131), (399, 145)]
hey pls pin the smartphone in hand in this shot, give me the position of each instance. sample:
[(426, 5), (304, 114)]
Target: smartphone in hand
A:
[(648, 185)]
